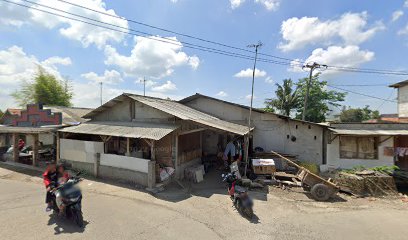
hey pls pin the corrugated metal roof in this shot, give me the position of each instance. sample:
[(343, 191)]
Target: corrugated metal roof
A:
[(186, 113), (369, 132), (7, 129), (123, 129), (70, 115)]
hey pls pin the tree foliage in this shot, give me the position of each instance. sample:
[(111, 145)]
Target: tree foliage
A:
[(45, 89), (1, 113), (286, 98), (319, 99), (358, 114)]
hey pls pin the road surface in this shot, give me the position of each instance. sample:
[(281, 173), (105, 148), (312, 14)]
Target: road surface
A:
[(117, 212)]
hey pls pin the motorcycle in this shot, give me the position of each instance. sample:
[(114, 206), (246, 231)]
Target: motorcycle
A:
[(71, 198), (239, 195)]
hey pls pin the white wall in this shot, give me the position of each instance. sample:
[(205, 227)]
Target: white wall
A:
[(403, 101), (334, 160), (80, 151), (130, 163), (270, 131)]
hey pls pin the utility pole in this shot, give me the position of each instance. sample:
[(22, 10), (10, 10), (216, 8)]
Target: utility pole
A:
[(101, 83), (311, 67), (144, 86), (256, 46)]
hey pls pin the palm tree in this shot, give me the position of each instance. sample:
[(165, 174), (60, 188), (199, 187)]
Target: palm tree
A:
[(286, 98)]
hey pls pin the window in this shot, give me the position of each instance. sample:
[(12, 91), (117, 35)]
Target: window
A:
[(358, 147)]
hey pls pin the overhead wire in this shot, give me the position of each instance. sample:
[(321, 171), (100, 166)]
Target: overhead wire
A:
[(293, 62)]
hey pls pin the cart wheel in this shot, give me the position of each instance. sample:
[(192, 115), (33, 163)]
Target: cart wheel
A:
[(320, 192)]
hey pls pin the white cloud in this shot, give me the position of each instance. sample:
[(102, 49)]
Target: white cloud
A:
[(109, 77), (16, 66), (85, 33), (248, 97), (269, 80), (396, 15), (270, 5), (166, 87), (221, 94), (247, 73), (13, 15), (406, 3), (174, 1), (351, 28), (150, 58), (349, 56), (403, 31), (236, 3)]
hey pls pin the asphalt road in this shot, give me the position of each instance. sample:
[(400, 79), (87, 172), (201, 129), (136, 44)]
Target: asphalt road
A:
[(113, 212)]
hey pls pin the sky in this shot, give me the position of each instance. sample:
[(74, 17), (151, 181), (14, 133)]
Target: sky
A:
[(347, 33)]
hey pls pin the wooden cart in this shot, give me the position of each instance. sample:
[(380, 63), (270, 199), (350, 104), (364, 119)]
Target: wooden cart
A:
[(319, 188)]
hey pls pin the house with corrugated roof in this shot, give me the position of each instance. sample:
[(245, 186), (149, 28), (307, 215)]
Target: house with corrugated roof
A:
[(134, 138)]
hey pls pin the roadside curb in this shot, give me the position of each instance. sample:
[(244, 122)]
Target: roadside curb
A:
[(21, 166)]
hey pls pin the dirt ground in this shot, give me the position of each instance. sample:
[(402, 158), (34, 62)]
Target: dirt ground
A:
[(200, 211)]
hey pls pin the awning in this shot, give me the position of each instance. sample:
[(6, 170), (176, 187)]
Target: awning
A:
[(369, 132), (27, 130), (123, 129)]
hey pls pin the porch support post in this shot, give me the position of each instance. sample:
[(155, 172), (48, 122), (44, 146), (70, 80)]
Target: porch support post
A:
[(127, 147), (58, 148), (16, 153), (151, 175), (35, 148), (153, 150)]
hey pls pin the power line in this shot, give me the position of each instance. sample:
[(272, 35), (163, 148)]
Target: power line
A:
[(149, 36), (362, 94), (217, 43), (173, 32), (360, 85), (194, 46)]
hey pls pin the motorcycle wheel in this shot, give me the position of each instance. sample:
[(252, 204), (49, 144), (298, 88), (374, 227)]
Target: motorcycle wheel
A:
[(249, 212), (78, 219)]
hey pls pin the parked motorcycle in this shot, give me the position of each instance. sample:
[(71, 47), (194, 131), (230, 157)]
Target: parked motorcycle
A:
[(239, 195), (71, 198)]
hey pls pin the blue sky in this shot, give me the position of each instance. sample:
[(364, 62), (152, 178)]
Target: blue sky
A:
[(367, 34)]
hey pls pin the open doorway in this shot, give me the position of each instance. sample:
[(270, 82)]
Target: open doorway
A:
[(401, 161)]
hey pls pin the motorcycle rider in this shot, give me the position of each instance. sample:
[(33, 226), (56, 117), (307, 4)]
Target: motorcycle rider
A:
[(63, 177), (50, 178)]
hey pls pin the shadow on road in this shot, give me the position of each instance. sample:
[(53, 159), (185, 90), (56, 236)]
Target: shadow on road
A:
[(63, 225)]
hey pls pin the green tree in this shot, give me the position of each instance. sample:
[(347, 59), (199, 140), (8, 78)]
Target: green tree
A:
[(1, 113), (45, 89), (286, 99), (319, 99), (358, 114)]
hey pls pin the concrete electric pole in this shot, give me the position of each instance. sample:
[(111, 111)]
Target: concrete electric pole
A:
[(256, 46), (101, 83), (311, 67)]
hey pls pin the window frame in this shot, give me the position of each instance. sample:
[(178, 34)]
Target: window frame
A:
[(357, 153)]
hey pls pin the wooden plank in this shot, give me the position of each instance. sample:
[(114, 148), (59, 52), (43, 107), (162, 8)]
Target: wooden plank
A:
[(16, 152), (304, 169)]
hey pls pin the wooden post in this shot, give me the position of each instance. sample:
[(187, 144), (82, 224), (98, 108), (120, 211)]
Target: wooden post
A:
[(153, 150), (58, 150), (151, 175), (127, 147), (16, 152), (35, 148), (96, 164)]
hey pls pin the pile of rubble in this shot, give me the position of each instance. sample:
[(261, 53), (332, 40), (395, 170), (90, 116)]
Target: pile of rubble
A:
[(366, 183)]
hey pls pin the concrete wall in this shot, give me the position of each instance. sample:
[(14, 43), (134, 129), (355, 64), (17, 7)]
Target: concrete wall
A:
[(271, 132), (370, 126), (120, 112), (334, 160), (403, 101), (46, 139), (80, 151), (124, 175), (129, 163), (144, 113)]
